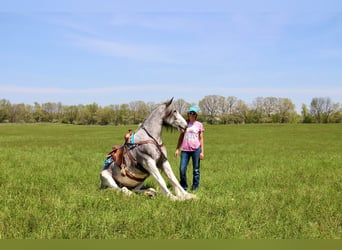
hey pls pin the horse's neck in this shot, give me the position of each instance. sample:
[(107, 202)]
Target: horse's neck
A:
[(153, 126), (153, 130)]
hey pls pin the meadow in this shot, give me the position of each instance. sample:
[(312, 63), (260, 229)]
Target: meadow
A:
[(258, 181)]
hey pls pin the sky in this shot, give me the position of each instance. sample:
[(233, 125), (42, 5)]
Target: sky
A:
[(109, 52)]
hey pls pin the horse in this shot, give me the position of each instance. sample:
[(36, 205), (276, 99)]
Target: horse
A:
[(146, 156)]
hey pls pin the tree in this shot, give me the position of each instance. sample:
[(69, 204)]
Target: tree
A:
[(328, 110), (59, 111), (231, 101), (241, 111), (17, 113), (321, 109), (306, 117), (90, 111), (71, 114), (37, 112), (182, 106), (226, 108), (337, 114), (211, 106), (125, 114), (270, 109), (215, 109), (47, 110), (28, 116), (139, 109), (5, 107), (104, 116), (257, 112), (286, 110), (115, 113)]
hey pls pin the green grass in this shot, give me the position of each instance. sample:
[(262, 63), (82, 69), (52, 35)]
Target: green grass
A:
[(257, 182)]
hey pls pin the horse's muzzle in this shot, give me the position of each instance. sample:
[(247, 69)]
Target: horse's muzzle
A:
[(182, 129)]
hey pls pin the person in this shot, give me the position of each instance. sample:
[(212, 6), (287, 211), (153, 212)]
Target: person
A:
[(128, 137), (191, 144)]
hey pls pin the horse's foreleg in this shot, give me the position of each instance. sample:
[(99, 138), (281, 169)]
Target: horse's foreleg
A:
[(153, 170), (107, 180), (166, 167)]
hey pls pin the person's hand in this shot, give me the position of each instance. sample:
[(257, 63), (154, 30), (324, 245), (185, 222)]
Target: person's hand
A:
[(201, 156), (176, 153)]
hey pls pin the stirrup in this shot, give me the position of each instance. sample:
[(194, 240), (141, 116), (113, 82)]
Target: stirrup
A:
[(123, 171)]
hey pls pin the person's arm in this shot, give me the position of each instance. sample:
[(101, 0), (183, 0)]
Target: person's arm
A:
[(201, 139), (126, 137), (179, 144)]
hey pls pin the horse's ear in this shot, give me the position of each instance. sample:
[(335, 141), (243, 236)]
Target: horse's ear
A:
[(169, 102)]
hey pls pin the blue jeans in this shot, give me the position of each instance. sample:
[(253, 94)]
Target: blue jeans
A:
[(185, 157)]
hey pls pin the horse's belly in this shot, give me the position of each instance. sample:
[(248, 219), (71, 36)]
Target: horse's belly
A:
[(127, 180)]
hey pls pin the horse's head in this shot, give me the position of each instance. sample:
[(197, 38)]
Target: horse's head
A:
[(172, 117)]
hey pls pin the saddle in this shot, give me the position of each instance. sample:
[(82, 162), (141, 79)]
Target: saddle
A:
[(118, 156), (118, 153)]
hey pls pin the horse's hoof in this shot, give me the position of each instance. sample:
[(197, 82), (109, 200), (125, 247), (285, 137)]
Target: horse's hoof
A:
[(189, 196), (150, 192), (126, 191), (173, 198)]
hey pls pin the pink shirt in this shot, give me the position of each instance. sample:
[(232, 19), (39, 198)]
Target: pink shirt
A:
[(191, 140)]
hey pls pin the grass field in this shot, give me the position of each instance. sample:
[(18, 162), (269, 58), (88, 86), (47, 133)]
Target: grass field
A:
[(257, 182)]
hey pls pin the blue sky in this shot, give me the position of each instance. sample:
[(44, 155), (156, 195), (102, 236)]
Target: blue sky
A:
[(77, 52)]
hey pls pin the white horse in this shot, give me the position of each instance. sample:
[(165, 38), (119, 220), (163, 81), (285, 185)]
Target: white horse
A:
[(146, 156)]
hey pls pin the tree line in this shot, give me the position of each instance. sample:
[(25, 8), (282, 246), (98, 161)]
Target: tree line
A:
[(214, 109)]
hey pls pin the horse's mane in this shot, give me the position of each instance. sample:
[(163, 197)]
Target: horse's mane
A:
[(169, 127), (168, 106)]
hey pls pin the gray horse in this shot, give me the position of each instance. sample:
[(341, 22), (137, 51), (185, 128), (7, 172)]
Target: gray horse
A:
[(146, 156)]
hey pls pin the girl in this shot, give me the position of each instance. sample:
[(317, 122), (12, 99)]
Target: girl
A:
[(191, 144)]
